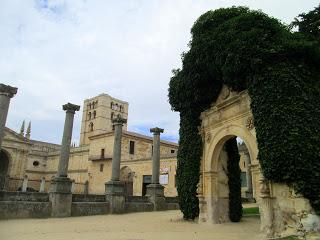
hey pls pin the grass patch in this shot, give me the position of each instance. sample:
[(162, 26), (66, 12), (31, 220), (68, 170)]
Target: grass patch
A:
[(250, 211), (288, 238)]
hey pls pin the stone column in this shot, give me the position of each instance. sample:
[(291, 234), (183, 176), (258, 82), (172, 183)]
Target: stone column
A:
[(42, 184), (24, 184), (249, 193), (60, 192), (118, 123), (156, 154), (266, 209), (155, 191), (6, 93), (115, 193)]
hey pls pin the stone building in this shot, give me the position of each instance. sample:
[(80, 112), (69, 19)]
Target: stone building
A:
[(90, 162)]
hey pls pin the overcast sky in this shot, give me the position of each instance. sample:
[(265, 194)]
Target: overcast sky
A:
[(59, 51)]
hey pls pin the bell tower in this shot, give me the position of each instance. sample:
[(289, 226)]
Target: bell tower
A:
[(98, 113)]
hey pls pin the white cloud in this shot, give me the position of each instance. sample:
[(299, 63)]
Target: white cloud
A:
[(65, 51)]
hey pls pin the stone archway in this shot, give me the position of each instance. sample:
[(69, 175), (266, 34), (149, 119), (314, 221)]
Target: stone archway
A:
[(280, 207), (126, 176), (4, 167)]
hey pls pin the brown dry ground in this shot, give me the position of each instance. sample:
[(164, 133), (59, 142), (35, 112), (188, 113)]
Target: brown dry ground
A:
[(164, 225)]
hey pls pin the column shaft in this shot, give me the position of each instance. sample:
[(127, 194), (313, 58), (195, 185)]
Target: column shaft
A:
[(156, 159), (65, 145), (248, 172), (116, 159), (6, 92)]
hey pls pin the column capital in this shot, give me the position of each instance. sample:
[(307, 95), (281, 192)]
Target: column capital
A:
[(7, 90), (119, 120), (69, 107), (156, 130)]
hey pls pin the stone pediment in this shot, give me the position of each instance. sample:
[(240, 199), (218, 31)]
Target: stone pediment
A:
[(12, 135), (225, 94)]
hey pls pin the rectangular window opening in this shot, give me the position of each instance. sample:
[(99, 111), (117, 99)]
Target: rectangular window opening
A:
[(131, 147)]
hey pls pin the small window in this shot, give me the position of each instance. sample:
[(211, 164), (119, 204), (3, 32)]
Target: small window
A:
[(94, 114), (35, 163), (91, 127), (93, 105), (89, 115), (173, 151), (131, 149), (102, 153), (101, 167), (164, 179)]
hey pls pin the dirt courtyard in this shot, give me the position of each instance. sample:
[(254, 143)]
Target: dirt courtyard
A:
[(134, 226)]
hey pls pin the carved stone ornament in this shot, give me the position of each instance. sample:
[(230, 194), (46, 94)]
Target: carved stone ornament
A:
[(225, 93), (208, 137), (250, 123)]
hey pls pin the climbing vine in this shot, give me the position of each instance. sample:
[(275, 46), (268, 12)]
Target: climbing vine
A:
[(246, 49)]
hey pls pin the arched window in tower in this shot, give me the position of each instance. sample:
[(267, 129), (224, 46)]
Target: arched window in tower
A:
[(93, 103), (89, 105), (117, 107), (89, 115), (121, 108), (91, 127), (94, 114)]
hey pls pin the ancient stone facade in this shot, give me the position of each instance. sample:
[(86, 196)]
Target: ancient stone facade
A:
[(90, 162)]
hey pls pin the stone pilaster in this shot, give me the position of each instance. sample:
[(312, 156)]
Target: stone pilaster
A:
[(60, 192), (24, 184), (155, 191), (266, 209), (249, 191), (42, 184), (6, 93), (115, 193)]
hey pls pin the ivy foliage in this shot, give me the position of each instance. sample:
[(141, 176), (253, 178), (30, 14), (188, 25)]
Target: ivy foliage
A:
[(309, 23), (247, 49), (234, 180)]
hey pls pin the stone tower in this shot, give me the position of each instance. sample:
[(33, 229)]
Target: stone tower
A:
[(98, 113)]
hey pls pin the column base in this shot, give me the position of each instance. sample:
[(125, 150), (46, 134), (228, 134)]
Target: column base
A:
[(115, 195), (155, 194), (61, 197)]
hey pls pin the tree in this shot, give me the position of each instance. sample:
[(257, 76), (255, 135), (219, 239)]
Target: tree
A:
[(309, 23)]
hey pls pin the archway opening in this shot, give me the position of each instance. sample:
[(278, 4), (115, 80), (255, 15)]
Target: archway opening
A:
[(126, 176), (234, 181), (4, 164)]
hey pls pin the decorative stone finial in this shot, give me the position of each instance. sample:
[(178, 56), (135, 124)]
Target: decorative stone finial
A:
[(156, 130), (69, 107), (7, 90), (22, 128), (28, 131), (118, 120)]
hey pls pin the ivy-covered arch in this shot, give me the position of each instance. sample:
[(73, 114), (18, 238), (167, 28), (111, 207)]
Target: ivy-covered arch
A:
[(246, 49)]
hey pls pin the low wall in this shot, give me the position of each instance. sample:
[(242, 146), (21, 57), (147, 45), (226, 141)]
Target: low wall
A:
[(89, 208), (38, 205), (172, 203), (24, 209), (88, 198), (24, 196)]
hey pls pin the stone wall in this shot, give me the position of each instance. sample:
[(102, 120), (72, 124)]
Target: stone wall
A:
[(38, 205)]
